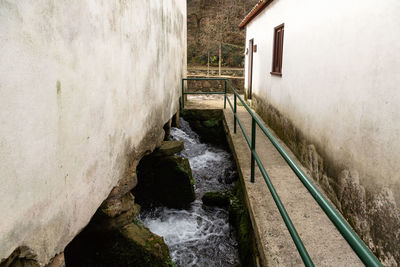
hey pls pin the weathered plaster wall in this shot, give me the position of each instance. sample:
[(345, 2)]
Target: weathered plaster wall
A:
[(336, 104), (83, 84)]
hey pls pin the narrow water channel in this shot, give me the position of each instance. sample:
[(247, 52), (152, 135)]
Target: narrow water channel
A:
[(199, 235)]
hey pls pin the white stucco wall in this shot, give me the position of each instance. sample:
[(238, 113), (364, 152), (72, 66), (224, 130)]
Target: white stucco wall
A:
[(341, 73), (340, 81), (81, 82)]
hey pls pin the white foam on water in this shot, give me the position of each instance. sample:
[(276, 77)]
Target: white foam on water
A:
[(198, 236)]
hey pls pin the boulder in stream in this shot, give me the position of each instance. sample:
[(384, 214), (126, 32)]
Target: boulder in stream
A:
[(132, 245), (135, 245), (164, 181), (215, 199), (169, 148)]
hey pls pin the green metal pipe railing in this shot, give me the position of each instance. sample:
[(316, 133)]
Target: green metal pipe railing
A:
[(347, 232)]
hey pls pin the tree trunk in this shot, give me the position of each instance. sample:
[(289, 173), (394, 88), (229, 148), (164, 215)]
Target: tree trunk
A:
[(220, 58), (208, 63)]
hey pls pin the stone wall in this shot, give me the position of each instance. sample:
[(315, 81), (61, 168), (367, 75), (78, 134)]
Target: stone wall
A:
[(85, 89), (214, 86), (213, 71)]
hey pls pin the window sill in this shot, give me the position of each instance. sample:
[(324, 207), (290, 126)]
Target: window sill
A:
[(276, 73)]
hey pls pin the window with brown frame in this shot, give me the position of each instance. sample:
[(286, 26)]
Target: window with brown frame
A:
[(278, 50)]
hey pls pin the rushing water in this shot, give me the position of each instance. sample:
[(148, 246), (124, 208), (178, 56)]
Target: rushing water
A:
[(200, 235)]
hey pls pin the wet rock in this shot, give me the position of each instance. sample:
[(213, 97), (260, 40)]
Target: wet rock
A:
[(150, 249), (169, 148), (114, 214), (215, 199), (125, 185), (102, 222), (164, 181), (132, 245), (99, 244), (115, 237), (116, 206), (57, 261), (21, 257), (208, 124)]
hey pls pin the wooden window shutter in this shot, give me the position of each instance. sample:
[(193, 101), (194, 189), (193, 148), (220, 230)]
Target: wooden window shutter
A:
[(278, 50)]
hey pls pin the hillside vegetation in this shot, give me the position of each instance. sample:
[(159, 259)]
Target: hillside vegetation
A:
[(213, 31)]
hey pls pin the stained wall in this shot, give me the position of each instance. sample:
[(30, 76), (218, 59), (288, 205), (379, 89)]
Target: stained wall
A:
[(84, 85)]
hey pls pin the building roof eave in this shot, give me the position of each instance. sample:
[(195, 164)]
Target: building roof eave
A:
[(254, 12)]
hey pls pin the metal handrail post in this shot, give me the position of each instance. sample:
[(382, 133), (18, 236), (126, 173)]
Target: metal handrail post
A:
[(225, 95), (253, 148), (234, 114)]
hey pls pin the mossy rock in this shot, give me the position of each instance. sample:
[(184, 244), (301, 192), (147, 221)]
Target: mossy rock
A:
[(133, 245), (207, 124), (102, 221), (164, 181), (149, 249), (169, 148), (116, 206), (215, 199)]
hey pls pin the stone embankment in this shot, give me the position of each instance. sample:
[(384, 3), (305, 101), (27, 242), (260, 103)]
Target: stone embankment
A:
[(115, 237)]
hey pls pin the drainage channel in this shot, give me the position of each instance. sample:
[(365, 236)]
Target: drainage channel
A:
[(199, 235)]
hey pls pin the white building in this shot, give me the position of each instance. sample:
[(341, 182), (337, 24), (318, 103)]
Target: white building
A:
[(85, 89), (325, 76)]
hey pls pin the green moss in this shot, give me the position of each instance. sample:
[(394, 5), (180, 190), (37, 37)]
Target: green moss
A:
[(212, 123), (208, 124), (240, 219), (138, 222), (164, 181), (215, 199), (133, 245)]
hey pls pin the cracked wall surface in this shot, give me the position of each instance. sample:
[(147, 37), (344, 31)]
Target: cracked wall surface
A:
[(85, 89)]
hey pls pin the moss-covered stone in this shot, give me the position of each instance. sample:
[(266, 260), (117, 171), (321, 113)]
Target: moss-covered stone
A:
[(133, 245), (240, 219), (116, 206), (104, 221), (164, 181), (208, 124), (215, 199), (150, 249), (125, 185), (169, 148), (212, 123)]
